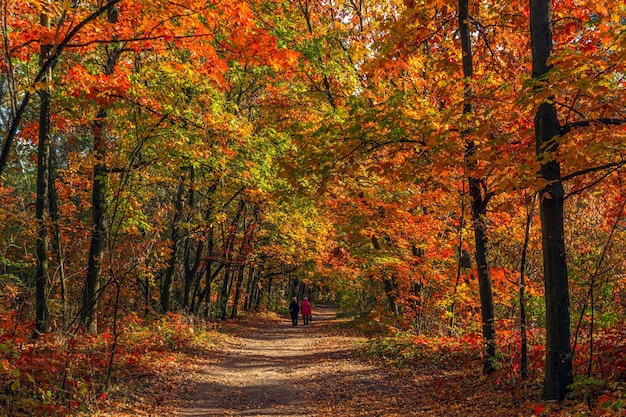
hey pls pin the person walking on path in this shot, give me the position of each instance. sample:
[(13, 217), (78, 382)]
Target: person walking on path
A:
[(293, 310), (305, 308)]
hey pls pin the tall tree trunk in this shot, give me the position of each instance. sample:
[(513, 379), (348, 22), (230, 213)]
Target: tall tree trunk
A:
[(270, 284), (244, 250), (238, 287), (229, 245), (484, 277), (98, 228), (225, 292), (98, 209), (207, 292), (192, 259), (208, 273), (461, 255), (479, 204), (390, 293), (168, 280), (42, 204), (146, 295), (54, 216), (250, 288), (388, 285), (558, 373), (522, 290)]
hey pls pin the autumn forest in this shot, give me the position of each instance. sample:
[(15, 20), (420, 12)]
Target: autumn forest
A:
[(446, 172)]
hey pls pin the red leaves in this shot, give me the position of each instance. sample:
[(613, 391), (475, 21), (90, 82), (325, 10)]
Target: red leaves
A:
[(78, 365)]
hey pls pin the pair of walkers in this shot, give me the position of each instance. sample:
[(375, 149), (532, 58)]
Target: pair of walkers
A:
[(304, 307)]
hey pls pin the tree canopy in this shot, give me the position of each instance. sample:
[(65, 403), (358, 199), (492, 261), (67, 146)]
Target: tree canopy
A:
[(449, 168)]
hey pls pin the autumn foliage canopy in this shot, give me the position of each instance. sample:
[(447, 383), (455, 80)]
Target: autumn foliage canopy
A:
[(406, 159)]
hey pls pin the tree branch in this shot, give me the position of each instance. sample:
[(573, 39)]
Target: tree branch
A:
[(49, 64), (593, 169), (591, 122), (586, 187)]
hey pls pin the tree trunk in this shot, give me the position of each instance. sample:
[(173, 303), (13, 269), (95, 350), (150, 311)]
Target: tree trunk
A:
[(238, 287), (192, 266), (250, 288), (42, 204), (54, 216), (244, 250), (192, 262), (98, 201), (462, 259), (484, 279), (479, 205), (388, 285), (261, 293), (146, 295), (207, 295), (390, 294), (98, 228), (522, 292), (168, 280), (208, 273), (558, 374), (225, 293), (229, 245)]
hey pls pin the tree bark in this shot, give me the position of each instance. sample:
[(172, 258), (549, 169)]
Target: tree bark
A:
[(244, 251), (229, 245), (208, 273), (168, 281), (479, 204), (54, 216), (484, 277), (225, 292), (250, 288), (193, 260), (522, 291), (98, 209), (42, 203), (558, 373), (238, 287), (98, 228), (193, 256)]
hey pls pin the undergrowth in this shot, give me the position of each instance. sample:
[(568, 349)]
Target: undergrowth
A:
[(596, 391), (60, 375)]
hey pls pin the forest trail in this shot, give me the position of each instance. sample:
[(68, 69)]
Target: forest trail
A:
[(270, 368), (266, 370)]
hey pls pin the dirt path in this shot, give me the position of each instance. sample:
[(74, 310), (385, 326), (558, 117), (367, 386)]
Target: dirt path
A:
[(267, 371), (271, 369)]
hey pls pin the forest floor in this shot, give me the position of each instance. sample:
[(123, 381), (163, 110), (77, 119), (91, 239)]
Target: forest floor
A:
[(270, 368)]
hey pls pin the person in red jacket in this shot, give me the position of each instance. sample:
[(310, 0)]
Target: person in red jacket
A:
[(305, 308)]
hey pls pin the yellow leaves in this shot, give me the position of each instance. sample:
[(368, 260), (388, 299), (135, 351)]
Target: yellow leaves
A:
[(221, 217), (40, 86)]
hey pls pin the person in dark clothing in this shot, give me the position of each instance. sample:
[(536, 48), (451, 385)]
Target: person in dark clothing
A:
[(294, 309)]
